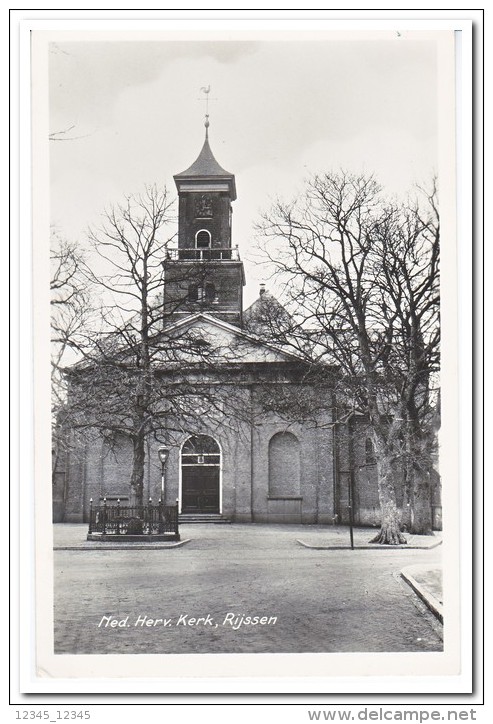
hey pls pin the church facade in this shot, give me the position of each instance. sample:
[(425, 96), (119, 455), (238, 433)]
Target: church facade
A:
[(244, 461)]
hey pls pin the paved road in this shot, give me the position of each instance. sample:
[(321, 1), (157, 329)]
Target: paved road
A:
[(309, 600)]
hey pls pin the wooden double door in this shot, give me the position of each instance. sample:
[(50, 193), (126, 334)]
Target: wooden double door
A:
[(200, 475), (200, 489)]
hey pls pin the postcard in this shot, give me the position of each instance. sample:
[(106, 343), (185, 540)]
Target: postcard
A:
[(245, 347)]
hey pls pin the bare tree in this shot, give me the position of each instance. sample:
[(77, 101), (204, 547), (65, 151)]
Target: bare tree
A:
[(141, 373), (70, 299), (112, 387), (361, 281), (70, 315), (409, 286)]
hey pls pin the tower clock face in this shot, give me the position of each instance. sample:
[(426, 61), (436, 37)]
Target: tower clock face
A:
[(203, 206)]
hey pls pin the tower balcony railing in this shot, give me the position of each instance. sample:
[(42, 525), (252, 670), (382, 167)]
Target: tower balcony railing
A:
[(208, 254)]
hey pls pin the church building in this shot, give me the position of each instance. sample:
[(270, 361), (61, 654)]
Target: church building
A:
[(261, 466)]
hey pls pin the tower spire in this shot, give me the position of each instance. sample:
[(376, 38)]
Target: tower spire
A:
[(206, 92)]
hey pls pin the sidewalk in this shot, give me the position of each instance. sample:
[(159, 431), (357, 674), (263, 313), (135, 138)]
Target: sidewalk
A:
[(67, 536), (73, 536), (426, 582), (337, 538)]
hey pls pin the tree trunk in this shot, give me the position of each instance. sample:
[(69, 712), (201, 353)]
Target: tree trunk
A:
[(421, 518), (390, 532), (137, 477), (419, 464)]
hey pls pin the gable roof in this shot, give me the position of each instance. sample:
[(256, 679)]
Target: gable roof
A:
[(237, 346)]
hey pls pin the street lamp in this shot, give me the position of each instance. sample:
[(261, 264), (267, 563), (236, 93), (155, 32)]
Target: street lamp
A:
[(163, 453)]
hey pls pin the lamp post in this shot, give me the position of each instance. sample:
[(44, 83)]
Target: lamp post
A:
[(351, 477), (350, 506), (163, 453)]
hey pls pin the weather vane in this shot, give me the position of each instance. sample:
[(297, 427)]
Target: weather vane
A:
[(206, 91)]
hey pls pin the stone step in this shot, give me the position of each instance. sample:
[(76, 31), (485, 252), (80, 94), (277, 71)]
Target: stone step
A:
[(202, 518)]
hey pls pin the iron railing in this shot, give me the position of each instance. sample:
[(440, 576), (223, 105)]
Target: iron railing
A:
[(133, 520), (207, 254)]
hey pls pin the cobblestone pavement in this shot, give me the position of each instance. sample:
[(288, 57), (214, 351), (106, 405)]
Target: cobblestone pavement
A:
[(307, 600)]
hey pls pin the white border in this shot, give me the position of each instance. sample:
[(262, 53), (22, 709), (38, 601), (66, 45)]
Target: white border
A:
[(453, 684)]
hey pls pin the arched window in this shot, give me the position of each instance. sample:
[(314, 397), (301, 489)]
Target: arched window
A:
[(284, 465), (203, 239), (200, 450)]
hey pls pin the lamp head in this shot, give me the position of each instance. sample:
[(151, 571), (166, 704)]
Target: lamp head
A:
[(163, 453)]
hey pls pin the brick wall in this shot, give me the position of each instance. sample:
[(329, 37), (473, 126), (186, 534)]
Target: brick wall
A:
[(218, 224), (352, 454), (227, 277), (255, 486)]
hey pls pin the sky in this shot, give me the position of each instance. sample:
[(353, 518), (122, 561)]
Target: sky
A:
[(279, 110)]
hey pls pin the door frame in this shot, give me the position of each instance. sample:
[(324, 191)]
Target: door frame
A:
[(180, 475)]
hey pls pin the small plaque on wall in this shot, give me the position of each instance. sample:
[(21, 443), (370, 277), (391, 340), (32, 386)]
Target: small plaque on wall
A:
[(203, 206)]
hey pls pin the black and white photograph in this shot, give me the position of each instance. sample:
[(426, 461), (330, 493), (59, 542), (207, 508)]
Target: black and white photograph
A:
[(244, 293)]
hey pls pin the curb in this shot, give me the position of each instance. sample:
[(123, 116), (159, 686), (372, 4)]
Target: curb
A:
[(100, 546), (368, 546), (432, 603)]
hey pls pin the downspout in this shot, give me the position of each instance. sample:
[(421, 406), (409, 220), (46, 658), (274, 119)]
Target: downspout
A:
[(336, 479), (317, 489), (69, 442), (164, 294), (101, 469), (251, 455), (148, 461), (84, 484), (350, 458), (351, 473)]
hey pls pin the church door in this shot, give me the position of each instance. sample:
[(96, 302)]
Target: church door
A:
[(200, 475)]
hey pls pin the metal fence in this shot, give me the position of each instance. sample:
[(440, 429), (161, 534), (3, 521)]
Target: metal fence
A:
[(207, 254), (133, 520)]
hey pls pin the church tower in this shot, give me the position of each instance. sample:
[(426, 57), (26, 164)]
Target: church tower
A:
[(205, 273)]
